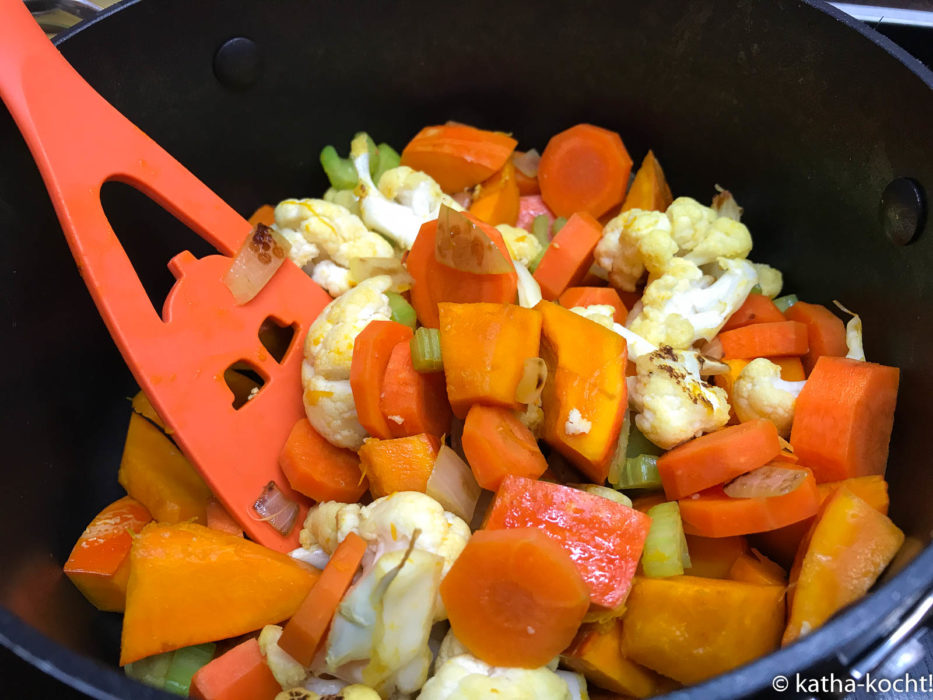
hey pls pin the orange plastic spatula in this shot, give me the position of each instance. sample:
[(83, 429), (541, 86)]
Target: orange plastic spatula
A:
[(79, 142)]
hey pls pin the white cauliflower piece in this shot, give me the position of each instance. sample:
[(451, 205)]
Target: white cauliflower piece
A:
[(683, 305), (522, 246), (770, 279), (603, 315), (673, 403), (334, 279), (328, 350), (404, 199), (759, 392), (464, 677), (702, 235), (288, 672), (632, 242), (532, 416)]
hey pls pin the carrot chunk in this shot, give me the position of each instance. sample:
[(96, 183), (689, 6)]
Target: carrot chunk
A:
[(497, 444), (843, 418), (764, 339), (826, 334), (514, 597), (400, 464), (371, 351), (569, 256), (649, 190), (497, 200), (240, 674), (413, 402), (318, 469), (757, 308)]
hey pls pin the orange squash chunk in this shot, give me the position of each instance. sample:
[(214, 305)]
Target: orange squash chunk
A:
[(399, 464), (649, 190), (754, 567)]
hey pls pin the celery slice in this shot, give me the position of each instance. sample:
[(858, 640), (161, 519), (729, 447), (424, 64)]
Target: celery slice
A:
[(388, 158), (558, 225), (426, 350), (756, 290), (185, 663), (638, 444), (402, 311), (339, 171), (541, 228), (150, 670), (617, 463), (605, 492), (533, 265), (628, 468), (785, 302), (640, 472), (665, 550)]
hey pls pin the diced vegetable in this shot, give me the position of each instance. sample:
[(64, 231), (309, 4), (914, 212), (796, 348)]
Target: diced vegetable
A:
[(588, 296), (402, 311), (260, 257), (640, 472), (339, 171), (584, 169), (497, 199), (152, 670), (717, 457), (557, 225), (754, 567), (453, 485), (605, 539), (387, 159), (649, 190), (189, 584), (371, 352), (791, 368), (605, 492), (666, 546), (764, 340), (843, 418), (757, 308), (185, 663), (362, 269), (218, 518), (713, 557), (143, 406), (413, 402), (826, 334), (485, 347), (526, 171), (497, 444), (400, 464), (785, 302), (99, 564), (691, 629), (845, 552), (304, 631), (320, 470), (426, 351), (263, 215), (569, 255), (765, 482), (462, 244), (272, 506), (157, 474), (534, 375), (240, 674), (514, 597), (541, 229)]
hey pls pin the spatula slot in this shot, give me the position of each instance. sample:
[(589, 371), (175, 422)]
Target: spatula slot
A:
[(277, 337), (245, 382)]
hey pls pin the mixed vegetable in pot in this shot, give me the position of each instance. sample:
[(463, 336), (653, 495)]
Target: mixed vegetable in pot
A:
[(563, 439)]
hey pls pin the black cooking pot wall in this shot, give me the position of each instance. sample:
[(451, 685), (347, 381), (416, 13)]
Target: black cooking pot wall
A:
[(803, 118)]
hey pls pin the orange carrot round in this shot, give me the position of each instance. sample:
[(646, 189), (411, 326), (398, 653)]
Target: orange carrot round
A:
[(514, 597), (584, 168), (497, 444), (764, 339), (569, 256), (757, 308), (320, 470), (826, 334), (717, 457), (371, 351), (588, 296)]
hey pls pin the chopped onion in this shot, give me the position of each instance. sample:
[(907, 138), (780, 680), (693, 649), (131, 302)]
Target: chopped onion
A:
[(261, 254), (452, 484), (853, 334), (463, 198), (529, 291), (274, 508), (464, 246), (725, 205), (364, 268), (712, 350), (604, 492), (710, 367), (765, 482), (534, 374), (527, 162), (785, 445)]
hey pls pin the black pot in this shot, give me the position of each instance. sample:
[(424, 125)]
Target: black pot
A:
[(804, 115)]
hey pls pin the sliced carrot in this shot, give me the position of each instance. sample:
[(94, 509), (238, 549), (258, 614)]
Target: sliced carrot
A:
[(497, 444), (263, 215), (304, 632), (371, 351), (99, 564), (791, 368), (318, 469), (400, 464), (569, 256), (514, 597), (526, 184), (826, 334), (764, 339), (240, 674), (458, 156), (712, 513), (413, 402), (717, 457), (755, 567), (218, 518), (649, 190), (584, 169), (435, 282), (843, 418), (757, 308), (588, 296), (497, 199), (531, 206)]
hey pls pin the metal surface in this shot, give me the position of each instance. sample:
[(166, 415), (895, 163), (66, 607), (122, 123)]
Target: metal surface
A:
[(803, 114)]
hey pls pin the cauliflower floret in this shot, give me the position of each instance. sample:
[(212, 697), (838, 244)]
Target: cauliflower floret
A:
[(529, 291), (702, 235), (770, 279), (759, 392), (673, 403), (325, 372), (523, 247), (633, 241), (288, 672), (404, 199), (683, 305), (464, 677), (533, 417)]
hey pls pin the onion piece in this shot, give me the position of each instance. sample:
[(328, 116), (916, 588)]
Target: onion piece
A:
[(711, 368), (364, 268), (464, 198), (464, 246), (529, 291), (275, 508), (534, 374), (853, 334), (725, 205), (765, 482), (527, 162), (712, 350), (453, 485), (261, 254)]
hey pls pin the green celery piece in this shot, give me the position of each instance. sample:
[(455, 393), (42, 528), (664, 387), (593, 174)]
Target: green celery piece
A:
[(558, 225), (756, 289), (640, 472), (617, 463), (606, 492), (388, 158), (541, 229), (402, 311), (785, 302), (150, 670), (185, 663), (665, 545), (533, 265), (373, 154), (339, 171), (638, 444), (426, 350)]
